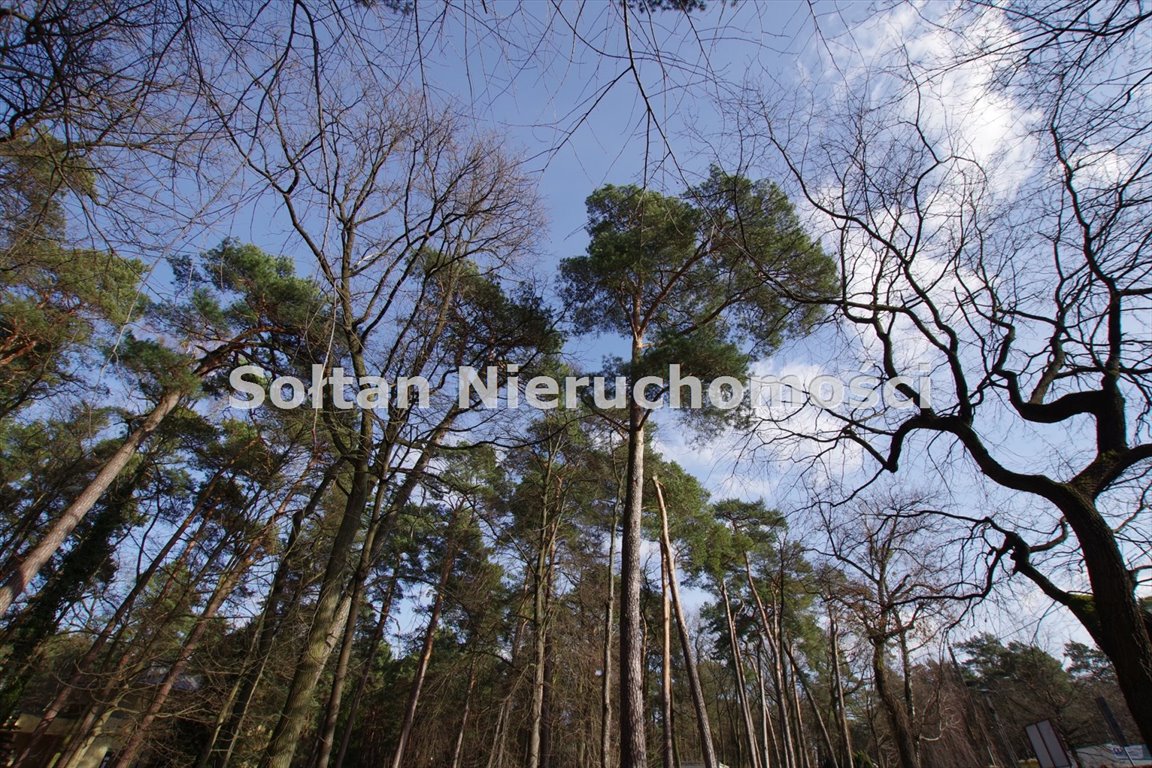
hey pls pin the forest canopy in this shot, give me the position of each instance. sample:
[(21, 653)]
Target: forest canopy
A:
[(605, 383)]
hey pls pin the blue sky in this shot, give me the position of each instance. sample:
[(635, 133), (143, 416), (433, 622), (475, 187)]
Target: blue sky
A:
[(553, 82)]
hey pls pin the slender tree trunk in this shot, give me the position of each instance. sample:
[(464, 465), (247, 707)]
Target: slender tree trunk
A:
[(606, 657), (772, 635), (668, 747), (820, 722), (546, 718), (131, 749), (909, 698), (83, 666), (838, 689), (458, 748), (541, 588), (232, 718), (378, 535), (783, 711), (802, 740), (377, 531), (29, 565), (81, 737), (28, 629), (81, 734), (327, 735), (741, 680), (768, 731), (325, 627), (429, 638), (633, 723), (366, 672), (707, 747), (500, 733), (795, 739), (496, 752), (892, 704), (536, 714)]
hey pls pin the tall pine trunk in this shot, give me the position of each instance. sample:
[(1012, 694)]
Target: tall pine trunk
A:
[(741, 680), (27, 566), (838, 690), (541, 592), (331, 607), (132, 747), (425, 658), (84, 664), (327, 735), (771, 633), (606, 656), (707, 746), (633, 723), (378, 531), (668, 748), (767, 729), (218, 750), (366, 672)]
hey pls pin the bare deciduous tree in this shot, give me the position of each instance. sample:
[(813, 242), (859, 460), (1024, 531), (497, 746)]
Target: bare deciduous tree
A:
[(1016, 274)]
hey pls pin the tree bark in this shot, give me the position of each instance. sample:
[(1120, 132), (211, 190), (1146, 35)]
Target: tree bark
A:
[(801, 738), (892, 703), (741, 680), (606, 658), (767, 729), (771, 634), (496, 752), (429, 639), (378, 530), (458, 748), (1113, 616), (365, 673), (547, 720), (541, 591), (326, 625), (820, 722), (668, 746), (327, 734), (633, 723), (232, 718), (838, 689), (30, 564), (707, 746), (500, 733)]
